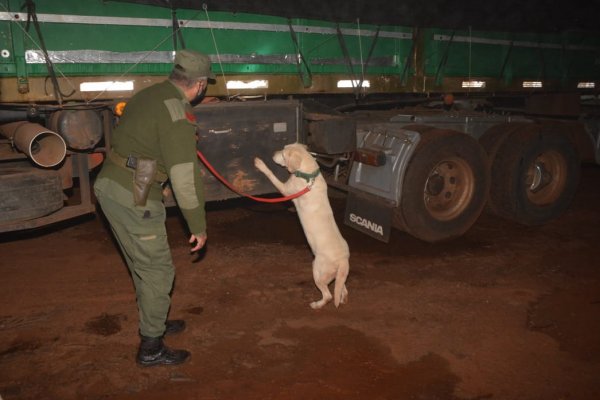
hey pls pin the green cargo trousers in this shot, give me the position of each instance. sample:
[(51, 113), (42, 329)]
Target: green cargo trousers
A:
[(142, 237)]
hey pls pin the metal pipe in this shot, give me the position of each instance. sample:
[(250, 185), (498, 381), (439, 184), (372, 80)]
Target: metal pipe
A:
[(46, 148), (7, 116)]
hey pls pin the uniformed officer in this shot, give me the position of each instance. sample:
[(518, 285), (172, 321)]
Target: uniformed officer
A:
[(156, 140)]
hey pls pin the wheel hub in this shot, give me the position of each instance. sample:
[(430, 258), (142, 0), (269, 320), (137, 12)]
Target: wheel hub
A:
[(448, 189), (435, 185), (541, 177), (546, 178)]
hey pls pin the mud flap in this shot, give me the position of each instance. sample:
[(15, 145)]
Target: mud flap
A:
[(370, 215)]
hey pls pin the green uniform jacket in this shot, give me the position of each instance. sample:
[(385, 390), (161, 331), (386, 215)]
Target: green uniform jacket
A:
[(158, 123)]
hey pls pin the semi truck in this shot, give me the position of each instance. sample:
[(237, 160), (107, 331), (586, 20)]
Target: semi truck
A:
[(423, 122)]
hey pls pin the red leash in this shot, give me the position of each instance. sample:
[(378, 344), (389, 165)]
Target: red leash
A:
[(261, 199)]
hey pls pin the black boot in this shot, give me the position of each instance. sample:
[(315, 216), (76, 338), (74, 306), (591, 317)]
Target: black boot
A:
[(174, 326), (153, 352)]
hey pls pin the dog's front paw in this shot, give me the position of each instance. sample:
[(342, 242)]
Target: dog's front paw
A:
[(259, 164)]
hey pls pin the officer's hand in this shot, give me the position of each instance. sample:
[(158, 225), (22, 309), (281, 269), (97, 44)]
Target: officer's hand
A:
[(200, 241)]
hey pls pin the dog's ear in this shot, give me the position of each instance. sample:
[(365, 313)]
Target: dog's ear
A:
[(294, 159)]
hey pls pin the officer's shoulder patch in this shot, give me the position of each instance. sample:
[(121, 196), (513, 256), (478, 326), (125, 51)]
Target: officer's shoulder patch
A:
[(176, 109)]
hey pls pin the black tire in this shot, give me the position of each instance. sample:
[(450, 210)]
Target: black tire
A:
[(27, 193), (445, 186), (492, 140), (535, 174), (494, 137)]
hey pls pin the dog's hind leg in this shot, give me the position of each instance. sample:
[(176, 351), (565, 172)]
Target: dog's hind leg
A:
[(344, 298), (340, 292), (322, 280)]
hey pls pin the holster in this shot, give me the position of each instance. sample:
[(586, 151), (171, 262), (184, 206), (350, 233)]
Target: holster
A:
[(143, 177)]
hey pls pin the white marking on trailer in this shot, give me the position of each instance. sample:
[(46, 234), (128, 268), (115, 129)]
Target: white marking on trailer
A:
[(279, 127), (161, 57), (168, 23), (505, 42)]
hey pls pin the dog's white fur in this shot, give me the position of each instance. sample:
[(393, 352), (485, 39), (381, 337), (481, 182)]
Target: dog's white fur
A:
[(324, 238)]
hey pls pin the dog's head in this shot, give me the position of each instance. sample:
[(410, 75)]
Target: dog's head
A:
[(293, 157)]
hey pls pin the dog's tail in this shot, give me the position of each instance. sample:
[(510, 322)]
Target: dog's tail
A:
[(340, 292)]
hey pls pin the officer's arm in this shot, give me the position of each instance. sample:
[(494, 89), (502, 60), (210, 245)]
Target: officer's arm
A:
[(178, 148)]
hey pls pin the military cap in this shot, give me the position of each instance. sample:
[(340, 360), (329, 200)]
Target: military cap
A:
[(194, 64)]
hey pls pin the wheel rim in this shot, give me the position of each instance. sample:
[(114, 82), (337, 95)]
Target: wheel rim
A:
[(546, 178), (448, 189)]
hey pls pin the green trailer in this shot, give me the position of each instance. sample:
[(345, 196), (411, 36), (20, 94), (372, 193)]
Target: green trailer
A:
[(373, 98), (95, 40)]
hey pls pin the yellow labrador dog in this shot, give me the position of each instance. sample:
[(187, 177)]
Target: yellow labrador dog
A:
[(327, 244)]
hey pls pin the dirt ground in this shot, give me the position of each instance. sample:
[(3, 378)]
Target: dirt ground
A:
[(505, 312)]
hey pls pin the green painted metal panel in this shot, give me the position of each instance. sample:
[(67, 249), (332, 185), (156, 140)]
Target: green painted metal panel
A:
[(7, 60), (124, 38), (530, 56)]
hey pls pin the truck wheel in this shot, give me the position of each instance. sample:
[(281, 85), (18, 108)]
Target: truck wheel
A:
[(494, 137), (492, 140), (27, 193), (445, 186), (535, 175)]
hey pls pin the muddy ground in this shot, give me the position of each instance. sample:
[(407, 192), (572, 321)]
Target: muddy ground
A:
[(505, 312)]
